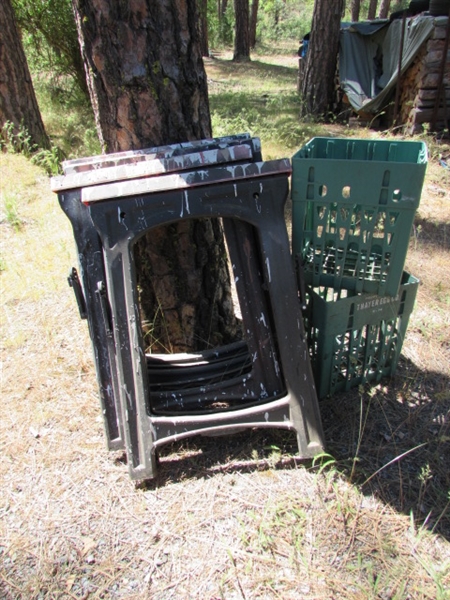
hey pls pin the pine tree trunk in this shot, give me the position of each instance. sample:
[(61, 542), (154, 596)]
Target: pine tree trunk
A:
[(371, 14), (18, 104), (355, 9), (241, 38), (253, 23), (221, 10), (148, 87), (318, 83), (384, 9), (204, 42), (145, 71)]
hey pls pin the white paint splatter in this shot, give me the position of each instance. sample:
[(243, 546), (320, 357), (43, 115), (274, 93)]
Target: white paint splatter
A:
[(277, 367), (268, 269)]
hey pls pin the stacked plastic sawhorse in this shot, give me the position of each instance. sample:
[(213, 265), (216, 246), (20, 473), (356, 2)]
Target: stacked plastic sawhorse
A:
[(265, 380)]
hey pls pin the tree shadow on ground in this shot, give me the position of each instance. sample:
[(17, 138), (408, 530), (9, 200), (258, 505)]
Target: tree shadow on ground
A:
[(392, 440), (256, 68), (432, 232)]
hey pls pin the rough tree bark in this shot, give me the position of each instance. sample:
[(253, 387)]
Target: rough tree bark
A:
[(145, 71), (241, 37), (204, 41), (318, 82), (253, 23), (18, 103), (371, 13), (148, 87), (384, 9), (355, 9)]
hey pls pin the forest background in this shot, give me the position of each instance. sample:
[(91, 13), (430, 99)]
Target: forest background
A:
[(51, 45)]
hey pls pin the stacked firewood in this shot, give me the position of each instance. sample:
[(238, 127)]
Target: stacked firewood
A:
[(425, 87)]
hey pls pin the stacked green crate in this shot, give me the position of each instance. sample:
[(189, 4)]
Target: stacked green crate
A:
[(354, 203), (355, 338)]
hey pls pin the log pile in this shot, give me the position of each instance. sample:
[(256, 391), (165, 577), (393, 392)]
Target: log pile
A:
[(425, 87)]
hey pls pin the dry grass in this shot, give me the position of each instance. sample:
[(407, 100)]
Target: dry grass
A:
[(227, 518)]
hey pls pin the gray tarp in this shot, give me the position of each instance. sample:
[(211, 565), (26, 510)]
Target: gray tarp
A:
[(369, 55)]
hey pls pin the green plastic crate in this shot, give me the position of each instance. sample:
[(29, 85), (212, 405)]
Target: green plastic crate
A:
[(353, 206), (356, 338)]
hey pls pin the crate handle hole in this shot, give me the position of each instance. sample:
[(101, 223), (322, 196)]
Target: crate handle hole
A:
[(397, 195), (346, 191)]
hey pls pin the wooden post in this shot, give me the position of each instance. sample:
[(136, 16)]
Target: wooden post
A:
[(440, 89)]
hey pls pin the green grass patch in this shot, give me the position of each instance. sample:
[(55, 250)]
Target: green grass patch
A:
[(260, 98)]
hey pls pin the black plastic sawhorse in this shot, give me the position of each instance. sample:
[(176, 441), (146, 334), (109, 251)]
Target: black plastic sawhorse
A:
[(263, 381)]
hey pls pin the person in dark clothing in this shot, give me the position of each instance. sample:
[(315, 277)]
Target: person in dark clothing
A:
[(303, 48)]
